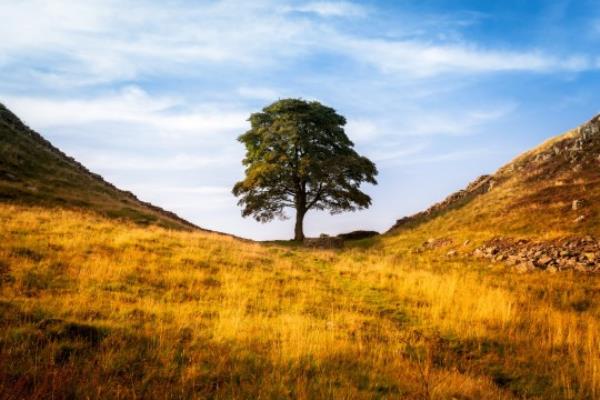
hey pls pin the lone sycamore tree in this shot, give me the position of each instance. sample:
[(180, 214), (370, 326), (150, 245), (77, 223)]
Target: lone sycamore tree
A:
[(298, 156)]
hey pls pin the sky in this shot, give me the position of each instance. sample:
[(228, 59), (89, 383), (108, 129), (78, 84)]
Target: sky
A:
[(152, 95)]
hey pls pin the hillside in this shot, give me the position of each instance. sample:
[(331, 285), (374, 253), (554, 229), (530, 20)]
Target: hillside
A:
[(93, 306), (33, 171), (540, 211), (554, 188)]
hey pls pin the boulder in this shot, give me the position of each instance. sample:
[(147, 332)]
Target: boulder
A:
[(577, 205), (544, 260)]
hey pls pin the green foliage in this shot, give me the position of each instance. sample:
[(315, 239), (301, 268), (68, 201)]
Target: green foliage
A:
[(298, 156)]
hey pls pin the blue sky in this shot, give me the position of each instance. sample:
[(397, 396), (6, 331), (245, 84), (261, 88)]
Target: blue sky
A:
[(152, 95)]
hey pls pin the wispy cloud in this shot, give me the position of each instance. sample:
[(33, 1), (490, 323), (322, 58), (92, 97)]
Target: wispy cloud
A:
[(451, 121), (130, 105), (178, 162), (132, 88), (421, 59), (444, 157), (85, 43), (332, 9)]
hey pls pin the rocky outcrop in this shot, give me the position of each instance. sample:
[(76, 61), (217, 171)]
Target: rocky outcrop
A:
[(569, 153), (578, 254)]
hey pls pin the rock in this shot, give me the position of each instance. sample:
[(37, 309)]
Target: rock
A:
[(552, 269), (581, 267), (579, 219), (544, 260), (452, 253), (435, 243), (577, 205), (492, 250), (466, 242), (479, 253), (513, 260), (524, 267), (556, 150), (582, 254)]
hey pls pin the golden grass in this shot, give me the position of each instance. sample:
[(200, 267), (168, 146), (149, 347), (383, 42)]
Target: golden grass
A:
[(93, 308)]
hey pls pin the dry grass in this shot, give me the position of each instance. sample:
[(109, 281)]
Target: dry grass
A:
[(93, 308)]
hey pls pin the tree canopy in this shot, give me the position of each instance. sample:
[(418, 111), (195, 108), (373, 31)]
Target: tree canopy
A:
[(298, 156)]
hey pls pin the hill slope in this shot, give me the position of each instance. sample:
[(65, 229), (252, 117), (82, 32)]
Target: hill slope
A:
[(34, 172), (91, 307), (552, 189), (97, 308)]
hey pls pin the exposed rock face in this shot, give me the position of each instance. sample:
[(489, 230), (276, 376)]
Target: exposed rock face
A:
[(579, 254), (481, 185), (570, 153)]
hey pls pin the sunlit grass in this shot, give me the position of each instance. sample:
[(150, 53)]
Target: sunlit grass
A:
[(95, 308)]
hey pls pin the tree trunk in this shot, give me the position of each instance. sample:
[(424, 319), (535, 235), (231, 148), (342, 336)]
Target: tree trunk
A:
[(300, 212), (299, 229)]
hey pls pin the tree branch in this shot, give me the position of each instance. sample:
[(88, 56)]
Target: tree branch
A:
[(316, 198)]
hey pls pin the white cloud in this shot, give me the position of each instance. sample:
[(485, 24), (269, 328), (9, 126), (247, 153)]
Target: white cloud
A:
[(332, 9), (421, 59), (73, 43), (102, 41), (130, 105), (391, 154), (400, 80), (129, 162), (362, 130), (445, 157), (449, 121)]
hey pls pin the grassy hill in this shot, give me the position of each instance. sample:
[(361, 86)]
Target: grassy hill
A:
[(32, 171), (92, 307), (531, 196), (97, 307)]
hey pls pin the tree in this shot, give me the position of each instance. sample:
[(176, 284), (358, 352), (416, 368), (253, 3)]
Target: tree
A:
[(298, 156)]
